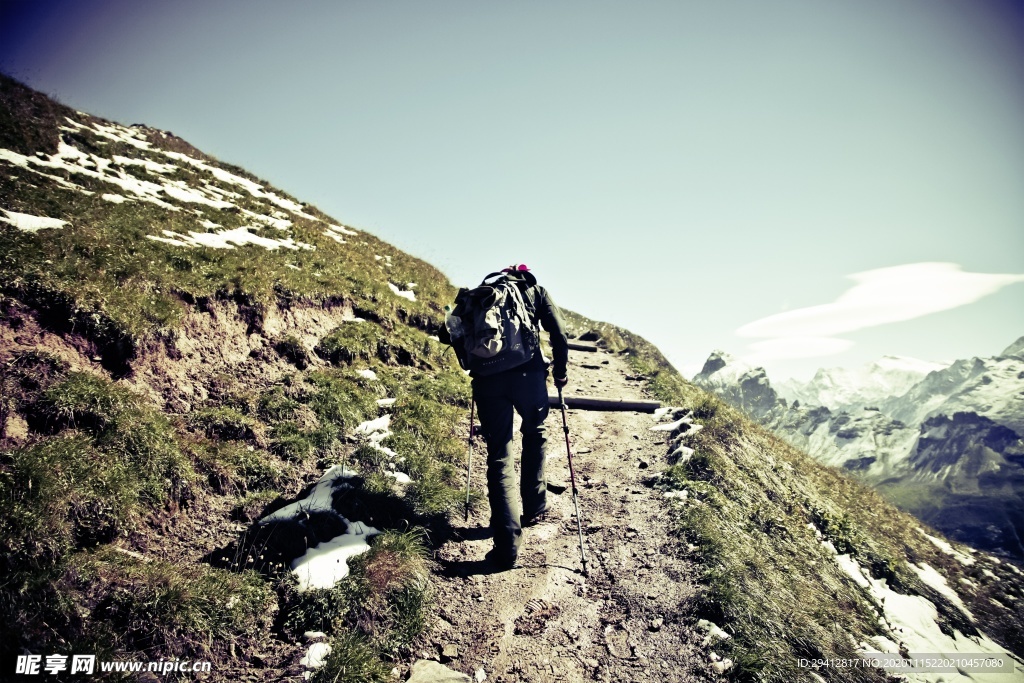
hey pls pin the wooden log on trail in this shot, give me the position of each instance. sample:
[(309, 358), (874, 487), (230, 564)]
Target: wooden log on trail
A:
[(598, 403), (577, 345)]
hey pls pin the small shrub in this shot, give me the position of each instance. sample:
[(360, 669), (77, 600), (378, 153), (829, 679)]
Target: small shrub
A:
[(275, 405), (432, 496), (341, 399), (84, 401), (316, 609)]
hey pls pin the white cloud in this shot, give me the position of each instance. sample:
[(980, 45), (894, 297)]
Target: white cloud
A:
[(879, 297)]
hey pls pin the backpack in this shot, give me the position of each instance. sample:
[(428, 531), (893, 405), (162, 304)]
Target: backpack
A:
[(491, 327)]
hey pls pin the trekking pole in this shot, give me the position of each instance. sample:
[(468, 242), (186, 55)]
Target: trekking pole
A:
[(469, 466), (572, 479)]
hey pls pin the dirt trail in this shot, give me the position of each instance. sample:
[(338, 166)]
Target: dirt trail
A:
[(543, 621)]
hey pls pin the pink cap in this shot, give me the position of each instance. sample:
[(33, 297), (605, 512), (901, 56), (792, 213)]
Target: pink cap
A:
[(515, 268)]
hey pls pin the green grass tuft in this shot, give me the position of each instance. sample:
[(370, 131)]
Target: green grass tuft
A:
[(186, 611), (352, 660)]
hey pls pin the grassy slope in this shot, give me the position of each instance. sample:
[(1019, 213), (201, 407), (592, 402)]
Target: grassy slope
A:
[(99, 462)]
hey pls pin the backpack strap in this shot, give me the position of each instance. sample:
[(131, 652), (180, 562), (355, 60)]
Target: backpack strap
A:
[(500, 272)]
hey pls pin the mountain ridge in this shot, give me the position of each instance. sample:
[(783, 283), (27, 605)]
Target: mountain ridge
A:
[(948, 448)]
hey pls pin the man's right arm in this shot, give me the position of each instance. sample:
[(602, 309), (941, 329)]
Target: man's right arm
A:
[(551, 319)]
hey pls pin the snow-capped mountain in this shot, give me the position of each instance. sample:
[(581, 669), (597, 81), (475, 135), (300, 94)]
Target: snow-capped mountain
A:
[(945, 443), (879, 380), (738, 383), (991, 387)]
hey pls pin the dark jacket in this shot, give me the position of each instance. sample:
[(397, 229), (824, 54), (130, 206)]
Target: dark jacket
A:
[(543, 310)]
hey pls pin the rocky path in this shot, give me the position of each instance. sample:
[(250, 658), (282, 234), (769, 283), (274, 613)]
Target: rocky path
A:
[(545, 621)]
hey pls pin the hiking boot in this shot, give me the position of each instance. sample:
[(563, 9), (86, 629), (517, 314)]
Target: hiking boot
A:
[(539, 518), (500, 559)]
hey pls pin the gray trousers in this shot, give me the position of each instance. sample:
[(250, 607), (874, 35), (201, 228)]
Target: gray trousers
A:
[(496, 397)]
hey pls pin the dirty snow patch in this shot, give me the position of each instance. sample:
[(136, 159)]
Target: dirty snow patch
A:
[(29, 223), (114, 198), (712, 633), (325, 564), (672, 426), (385, 402)]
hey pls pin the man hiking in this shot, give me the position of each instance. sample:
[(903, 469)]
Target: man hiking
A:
[(499, 389)]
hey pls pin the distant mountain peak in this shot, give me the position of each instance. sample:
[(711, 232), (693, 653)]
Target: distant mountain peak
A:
[(1016, 349)]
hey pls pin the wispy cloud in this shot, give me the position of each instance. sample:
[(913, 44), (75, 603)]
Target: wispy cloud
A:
[(879, 297)]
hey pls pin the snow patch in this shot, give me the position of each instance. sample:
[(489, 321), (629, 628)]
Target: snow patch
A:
[(337, 233), (406, 294), (148, 164), (327, 563), (400, 477), (948, 549), (29, 223), (254, 189), (932, 578), (912, 621), (376, 426), (224, 239), (367, 374), (315, 655), (712, 633), (672, 426), (118, 133)]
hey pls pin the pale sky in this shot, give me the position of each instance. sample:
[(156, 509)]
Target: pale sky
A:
[(697, 172)]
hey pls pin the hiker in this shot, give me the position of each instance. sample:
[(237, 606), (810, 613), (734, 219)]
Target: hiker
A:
[(523, 388)]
